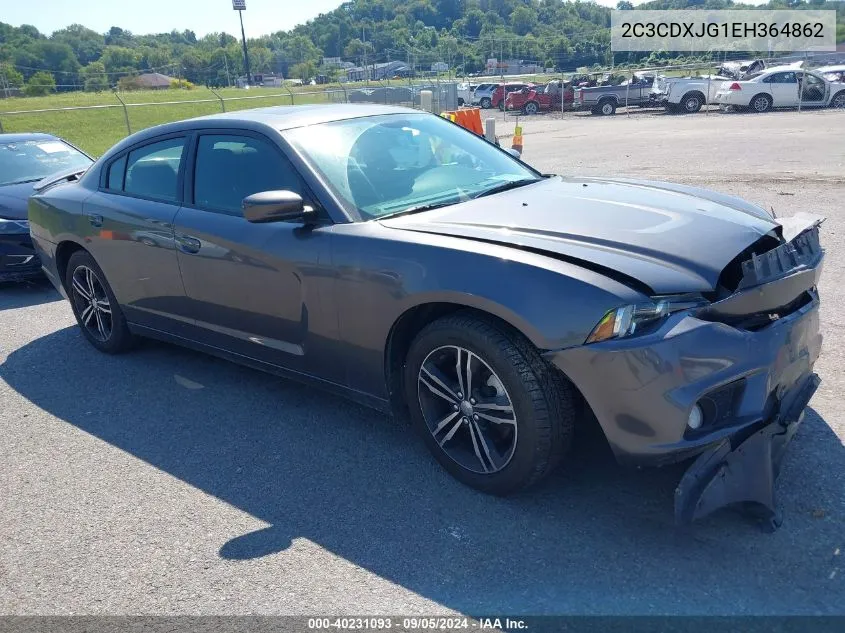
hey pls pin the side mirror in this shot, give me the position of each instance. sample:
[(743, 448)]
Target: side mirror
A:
[(514, 152), (275, 206)]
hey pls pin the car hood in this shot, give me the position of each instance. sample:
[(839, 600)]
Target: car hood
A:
[(671, 238), (13, 200)]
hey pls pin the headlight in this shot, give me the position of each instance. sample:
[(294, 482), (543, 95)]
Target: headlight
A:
[(8, 227), (628, 320)]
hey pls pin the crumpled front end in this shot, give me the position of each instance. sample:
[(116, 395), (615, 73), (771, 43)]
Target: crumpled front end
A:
[(728, 381)]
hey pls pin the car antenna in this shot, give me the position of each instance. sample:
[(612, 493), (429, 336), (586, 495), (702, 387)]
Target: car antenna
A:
[(774, 215)]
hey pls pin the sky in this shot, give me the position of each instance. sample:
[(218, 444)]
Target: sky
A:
[(162, 16)]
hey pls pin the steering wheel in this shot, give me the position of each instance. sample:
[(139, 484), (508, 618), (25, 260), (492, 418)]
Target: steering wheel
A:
[(353, 167)]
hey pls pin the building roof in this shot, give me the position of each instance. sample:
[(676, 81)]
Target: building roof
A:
[(155, 80)]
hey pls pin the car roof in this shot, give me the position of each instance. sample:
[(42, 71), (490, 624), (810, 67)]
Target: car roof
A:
[(26, 136), (289, 117), (278, 118), (837, 68), (780, 69)]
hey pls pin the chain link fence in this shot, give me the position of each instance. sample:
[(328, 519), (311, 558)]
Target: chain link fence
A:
[(96, 121), (689, 89)]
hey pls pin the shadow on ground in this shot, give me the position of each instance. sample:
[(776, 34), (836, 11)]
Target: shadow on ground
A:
[(594, 539), (23, 294)]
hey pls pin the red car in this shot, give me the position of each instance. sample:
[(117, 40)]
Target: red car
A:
[(541, 98), (497, 99)]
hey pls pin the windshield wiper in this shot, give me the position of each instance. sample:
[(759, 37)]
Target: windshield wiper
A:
[(507, 186), (418, 209)]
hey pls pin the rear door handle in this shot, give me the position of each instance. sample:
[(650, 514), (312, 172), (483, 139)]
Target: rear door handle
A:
[(95, 219), (188, 244)]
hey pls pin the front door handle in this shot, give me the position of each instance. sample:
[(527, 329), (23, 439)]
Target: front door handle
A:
[(95, 219), (188, 244)]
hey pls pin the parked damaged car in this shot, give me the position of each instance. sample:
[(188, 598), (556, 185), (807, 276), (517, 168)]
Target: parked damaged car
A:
[(781, 87), (554, 95), (26, 159), (398, 259), (604, 100), (686, 94)]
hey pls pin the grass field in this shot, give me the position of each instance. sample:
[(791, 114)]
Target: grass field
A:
[(95, 130), (98, 128)]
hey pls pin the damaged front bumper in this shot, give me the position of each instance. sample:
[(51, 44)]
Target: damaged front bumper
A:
[(745, 361), (743, 469)]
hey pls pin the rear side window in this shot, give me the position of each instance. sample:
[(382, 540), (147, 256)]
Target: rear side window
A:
[(152, 171), (117, 170), (229, 168)]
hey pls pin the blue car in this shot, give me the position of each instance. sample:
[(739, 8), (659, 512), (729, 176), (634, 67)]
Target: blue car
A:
[(26, 159)]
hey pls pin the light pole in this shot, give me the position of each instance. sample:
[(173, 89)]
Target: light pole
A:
[(240, 7)]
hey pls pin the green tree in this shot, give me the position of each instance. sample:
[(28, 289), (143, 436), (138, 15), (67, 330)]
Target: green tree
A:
[(303, 71), (474, 20), (260, 59), (86, 44), (523, 20), (14, 79), (118, 59), (95, 78), (40, 84)]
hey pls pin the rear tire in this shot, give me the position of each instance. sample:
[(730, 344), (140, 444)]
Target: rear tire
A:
[(94, 305), (691, 102), (486, 103), (605, 108), (760, 103), (520, 419), (532, 107)]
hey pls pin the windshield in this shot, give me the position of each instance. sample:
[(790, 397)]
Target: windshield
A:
[(30, 161), (382, 165)]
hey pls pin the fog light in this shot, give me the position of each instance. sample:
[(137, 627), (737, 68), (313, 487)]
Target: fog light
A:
[(695, 418)]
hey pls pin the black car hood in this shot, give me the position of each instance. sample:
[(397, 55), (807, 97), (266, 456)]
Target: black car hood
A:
[(13, 201), (672, 238)]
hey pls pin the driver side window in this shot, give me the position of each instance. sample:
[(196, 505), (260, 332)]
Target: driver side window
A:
[(229, 168), (783, 78)]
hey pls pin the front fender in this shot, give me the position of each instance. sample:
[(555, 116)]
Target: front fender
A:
[(383, 273)]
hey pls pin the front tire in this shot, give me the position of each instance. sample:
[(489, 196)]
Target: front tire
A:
[(486, 103), (94, 305), (493, 413), (838, 100)]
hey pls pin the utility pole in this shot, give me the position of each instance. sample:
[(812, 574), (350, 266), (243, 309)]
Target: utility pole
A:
[(226, 61), (240, 7), (364, 62)]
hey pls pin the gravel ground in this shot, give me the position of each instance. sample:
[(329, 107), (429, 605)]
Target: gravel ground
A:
[(167, 482)]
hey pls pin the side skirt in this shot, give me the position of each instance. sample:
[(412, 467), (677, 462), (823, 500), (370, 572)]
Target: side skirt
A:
[(365, 399)]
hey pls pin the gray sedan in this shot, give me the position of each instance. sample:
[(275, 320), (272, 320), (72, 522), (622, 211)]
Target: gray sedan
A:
[(398, 259)]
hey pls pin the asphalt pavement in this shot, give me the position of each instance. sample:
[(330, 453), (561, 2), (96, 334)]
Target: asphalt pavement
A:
[(168, 482)]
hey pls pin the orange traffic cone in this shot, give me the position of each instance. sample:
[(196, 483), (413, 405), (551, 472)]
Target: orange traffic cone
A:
[(517, 139)]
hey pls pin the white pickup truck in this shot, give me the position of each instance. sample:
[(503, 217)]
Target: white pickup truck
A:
[(686, 94)]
